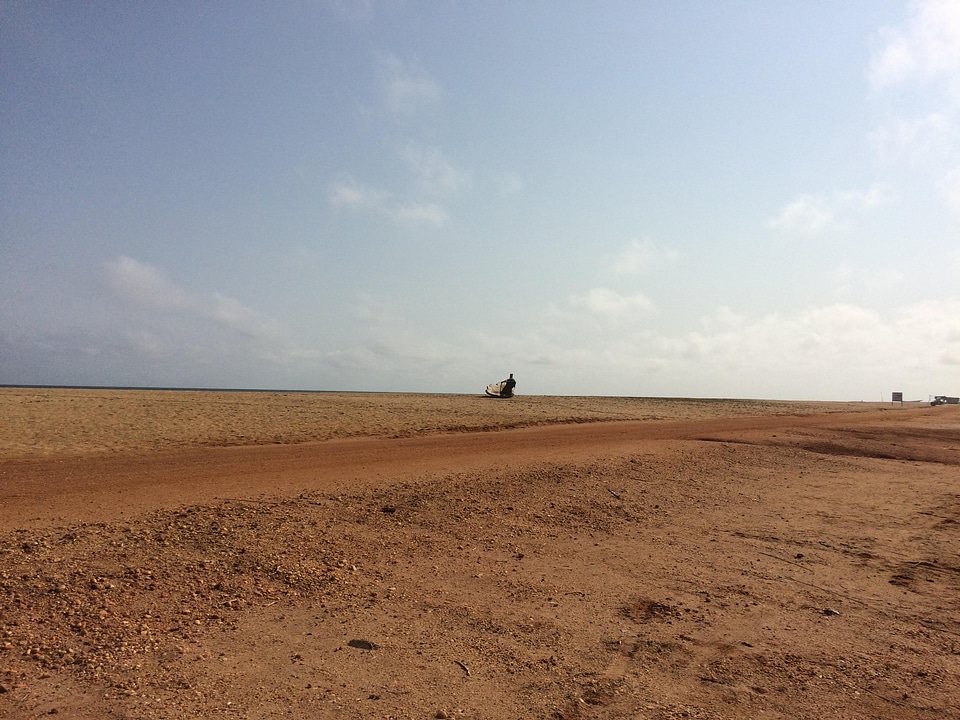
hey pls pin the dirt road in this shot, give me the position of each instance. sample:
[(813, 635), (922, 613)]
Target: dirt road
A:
[(97, 487), (771, 565)]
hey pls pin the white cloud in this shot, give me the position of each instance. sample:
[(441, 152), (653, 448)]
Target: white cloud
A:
[(815, 214), (917, 65), (953, 257), (640, 256), (723, 319), (856, 282), (432, 172), (145, 285), (912, 141), (839, 351), (395, 349), (862, 199), (148, 330), (609, 304), (806, 215), (926, 48), (948, 189), (427, 213), (598, 342), (433, 177), (348, 194), (352, 196), (406, 90)]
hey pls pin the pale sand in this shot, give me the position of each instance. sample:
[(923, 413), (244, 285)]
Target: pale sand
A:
[(47, 421)]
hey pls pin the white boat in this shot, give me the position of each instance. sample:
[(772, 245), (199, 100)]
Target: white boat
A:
[(502, 389)]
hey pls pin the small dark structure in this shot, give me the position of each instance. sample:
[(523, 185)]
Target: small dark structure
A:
[(945, 400)]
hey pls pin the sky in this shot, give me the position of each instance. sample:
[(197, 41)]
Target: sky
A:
[(745, 199)]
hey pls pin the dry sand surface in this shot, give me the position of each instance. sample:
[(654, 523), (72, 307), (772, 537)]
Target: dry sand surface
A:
[(342, 555)]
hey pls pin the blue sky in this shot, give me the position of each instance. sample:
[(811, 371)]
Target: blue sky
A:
[(740, 199)]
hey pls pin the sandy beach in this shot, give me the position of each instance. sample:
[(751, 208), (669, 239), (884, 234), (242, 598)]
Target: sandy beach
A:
[(171, 554), (81, 421)]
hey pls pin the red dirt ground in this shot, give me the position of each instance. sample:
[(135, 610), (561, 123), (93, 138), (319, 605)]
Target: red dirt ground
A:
[(757, 566)]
